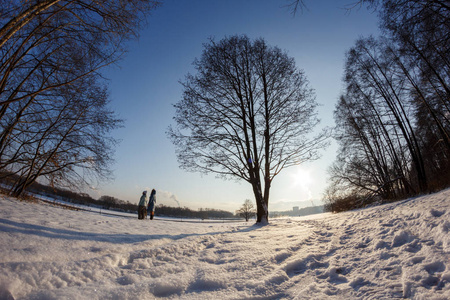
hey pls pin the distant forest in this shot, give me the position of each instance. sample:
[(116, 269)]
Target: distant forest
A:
[(112, 203)]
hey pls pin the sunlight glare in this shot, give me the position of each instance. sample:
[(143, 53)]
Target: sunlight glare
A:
[(302, 177)]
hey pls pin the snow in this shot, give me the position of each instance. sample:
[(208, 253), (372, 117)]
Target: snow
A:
[(399, 250)]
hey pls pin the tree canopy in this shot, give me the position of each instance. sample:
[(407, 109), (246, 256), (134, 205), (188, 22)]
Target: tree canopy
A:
[(393, 124), (247, 113), (54, 116)]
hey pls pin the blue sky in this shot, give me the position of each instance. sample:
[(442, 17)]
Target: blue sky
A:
[(146, 85)]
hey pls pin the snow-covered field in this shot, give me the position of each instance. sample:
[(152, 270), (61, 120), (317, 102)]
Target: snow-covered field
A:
[(386, 252)]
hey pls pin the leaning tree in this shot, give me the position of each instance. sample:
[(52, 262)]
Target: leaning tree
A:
[(54, 116), (247, 113)]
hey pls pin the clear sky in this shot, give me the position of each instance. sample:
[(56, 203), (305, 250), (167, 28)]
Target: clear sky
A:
[(145, 87)]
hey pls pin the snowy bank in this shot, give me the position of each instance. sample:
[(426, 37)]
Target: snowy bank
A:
[(399, 250)]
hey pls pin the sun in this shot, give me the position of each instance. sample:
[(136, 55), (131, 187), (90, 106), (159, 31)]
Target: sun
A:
[(302, 178)]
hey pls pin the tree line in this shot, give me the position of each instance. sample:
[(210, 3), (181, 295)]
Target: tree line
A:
[(113, 203), (393, 118), (185, 212), (54, 115)]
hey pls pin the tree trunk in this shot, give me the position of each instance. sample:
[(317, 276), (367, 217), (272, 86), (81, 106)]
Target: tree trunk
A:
[(262, 213)]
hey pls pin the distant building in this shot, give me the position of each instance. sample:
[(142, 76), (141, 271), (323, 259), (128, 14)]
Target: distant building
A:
[(295, 209)]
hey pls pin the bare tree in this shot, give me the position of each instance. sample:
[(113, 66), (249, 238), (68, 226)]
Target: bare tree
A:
[(54, 121), (392, 124), (247, 210), (48, 44), (380, 149), (64, 140), (109, 201), (247, 114)]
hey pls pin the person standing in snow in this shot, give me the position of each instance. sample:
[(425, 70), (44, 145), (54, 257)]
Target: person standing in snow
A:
[(151, 204), (142, 204)]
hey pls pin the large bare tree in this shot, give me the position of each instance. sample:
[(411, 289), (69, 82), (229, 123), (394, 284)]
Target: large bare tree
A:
[(64, 140), (47, 44), (54, 120), (393, 119), (247, 113)]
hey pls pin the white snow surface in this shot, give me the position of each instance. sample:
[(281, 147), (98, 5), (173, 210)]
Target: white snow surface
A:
[(398, 250)]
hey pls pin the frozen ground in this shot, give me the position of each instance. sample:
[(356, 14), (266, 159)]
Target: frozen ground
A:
[(400, 250)]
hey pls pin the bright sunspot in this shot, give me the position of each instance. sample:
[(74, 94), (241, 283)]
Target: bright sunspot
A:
[(302, 181), (302, 177)]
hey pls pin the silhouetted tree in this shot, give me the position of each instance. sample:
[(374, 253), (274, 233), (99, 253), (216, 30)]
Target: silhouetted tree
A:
[(377, 106), (392, 121), (247, 210), (248, 113), (108, 201), (48, 44), (54, 119)]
